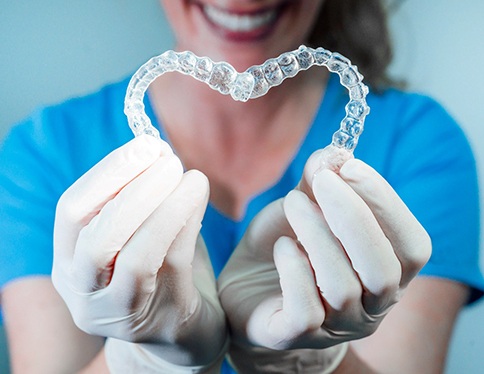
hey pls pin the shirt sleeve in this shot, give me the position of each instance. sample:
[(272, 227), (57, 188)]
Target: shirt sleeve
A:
[(39, 159), (30, 185), (434, 171)]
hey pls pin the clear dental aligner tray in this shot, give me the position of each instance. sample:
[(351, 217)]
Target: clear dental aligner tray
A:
[(251, 84)]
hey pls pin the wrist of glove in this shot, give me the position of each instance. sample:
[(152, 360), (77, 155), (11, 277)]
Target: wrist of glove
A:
[(248, 360), (121, 354)]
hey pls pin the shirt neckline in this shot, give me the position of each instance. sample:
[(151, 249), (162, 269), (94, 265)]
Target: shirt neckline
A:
[(318, 136)]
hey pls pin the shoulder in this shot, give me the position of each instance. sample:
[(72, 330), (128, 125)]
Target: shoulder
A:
[(85, 116), (409, 129), (39, 159), (414, 111), (399, 123), (425, 155), (399, 111), (74, 134)]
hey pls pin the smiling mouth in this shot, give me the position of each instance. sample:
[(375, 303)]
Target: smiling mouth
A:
[(242, 26)]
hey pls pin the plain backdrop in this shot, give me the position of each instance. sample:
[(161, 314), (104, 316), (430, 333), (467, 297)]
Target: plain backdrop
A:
[(54, 49)]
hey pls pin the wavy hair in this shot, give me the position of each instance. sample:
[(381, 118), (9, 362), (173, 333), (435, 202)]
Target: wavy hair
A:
[(357, 29)]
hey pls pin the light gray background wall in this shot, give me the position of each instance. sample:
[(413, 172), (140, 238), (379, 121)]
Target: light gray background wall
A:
[(54, 49)]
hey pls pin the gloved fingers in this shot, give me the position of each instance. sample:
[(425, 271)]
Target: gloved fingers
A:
[(370, 252), (202, 266), (302, 308), (176, 274), (86, 197), (266, 227), (409, 239), (173, 225), (193, 190), (100, 241), (330, 157), (340, 289), (333, 272), (203, 275)]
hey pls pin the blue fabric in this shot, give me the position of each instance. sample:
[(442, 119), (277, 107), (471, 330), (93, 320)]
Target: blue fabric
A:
[(408, 138)]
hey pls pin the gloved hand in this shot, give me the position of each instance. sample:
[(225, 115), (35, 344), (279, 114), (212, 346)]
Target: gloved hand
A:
[(320, 267), (130, 264)]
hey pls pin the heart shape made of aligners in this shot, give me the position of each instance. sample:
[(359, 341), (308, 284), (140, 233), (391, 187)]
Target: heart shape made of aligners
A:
[(251, 84)]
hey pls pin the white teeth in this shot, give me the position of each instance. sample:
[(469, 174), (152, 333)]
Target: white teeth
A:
[(237, 22)]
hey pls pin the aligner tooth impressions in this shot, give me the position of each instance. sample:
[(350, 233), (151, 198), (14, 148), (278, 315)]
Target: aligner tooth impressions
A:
[(251, 84)]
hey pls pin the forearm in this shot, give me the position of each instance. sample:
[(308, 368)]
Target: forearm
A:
[(97, 366), (41, 335), (248, 359), (415, 335), (352, 363)]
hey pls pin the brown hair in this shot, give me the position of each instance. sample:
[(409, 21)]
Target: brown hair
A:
[(358, 30)]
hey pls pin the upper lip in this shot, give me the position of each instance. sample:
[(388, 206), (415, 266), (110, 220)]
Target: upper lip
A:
[(250, 10), (246, 11), (243, 21), (240, 21)]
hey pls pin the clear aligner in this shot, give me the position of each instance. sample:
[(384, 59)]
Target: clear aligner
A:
[(251, 84)]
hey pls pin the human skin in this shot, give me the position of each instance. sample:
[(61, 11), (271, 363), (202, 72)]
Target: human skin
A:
[(195, 31), (236, 136), (243, 148)]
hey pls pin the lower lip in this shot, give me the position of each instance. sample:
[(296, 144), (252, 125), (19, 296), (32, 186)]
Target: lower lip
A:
[(245, 36)]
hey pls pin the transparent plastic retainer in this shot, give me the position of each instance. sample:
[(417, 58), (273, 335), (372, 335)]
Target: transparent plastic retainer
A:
[(251, 84)]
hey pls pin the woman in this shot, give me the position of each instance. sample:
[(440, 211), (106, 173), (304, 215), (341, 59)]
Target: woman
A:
[(302, 275)]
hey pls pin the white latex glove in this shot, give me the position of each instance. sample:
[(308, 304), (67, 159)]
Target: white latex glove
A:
[(130, 264), (318, 273)]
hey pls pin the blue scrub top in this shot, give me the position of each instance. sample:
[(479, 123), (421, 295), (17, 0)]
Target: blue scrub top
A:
[(409, 139)]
